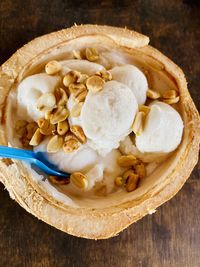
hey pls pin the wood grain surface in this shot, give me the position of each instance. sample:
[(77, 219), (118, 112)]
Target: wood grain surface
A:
[(171, 236)]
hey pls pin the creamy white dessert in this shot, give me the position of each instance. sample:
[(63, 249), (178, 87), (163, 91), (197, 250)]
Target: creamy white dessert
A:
[(103, 126), (163, 130), (107, 116), (29, 91), (134, 79)]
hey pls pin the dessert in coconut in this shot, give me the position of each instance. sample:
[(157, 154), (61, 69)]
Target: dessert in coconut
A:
[(106, 107)]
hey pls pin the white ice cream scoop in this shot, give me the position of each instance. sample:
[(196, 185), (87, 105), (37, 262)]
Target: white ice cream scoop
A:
[(107, 116), (85, 160), (134, 79), (29, 91), (81, 159), (163, 129), (84, 66)]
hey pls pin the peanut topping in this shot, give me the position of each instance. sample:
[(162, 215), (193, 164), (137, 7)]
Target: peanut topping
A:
[(169, 94), (41, 122), (138, 124), (53, 67), (55, 143), (127, 161), (91, 54), (31, 128), (78, 132), (79, 180), (62, 127), (140, 170), (46, 128), (70, 77), (82, 78), (119, 181), (130, 177), (172, 100), (61, 97), (47, 114), (75, 88), (95, 83), (60, 114), (80, 95), (69, 136), (46, 101), (71, 145), (127, 174), (132, 182), (76, 110), (77, 54), (36, 138), (152, 94), (105, 75)]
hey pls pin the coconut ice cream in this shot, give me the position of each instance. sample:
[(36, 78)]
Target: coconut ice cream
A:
[(163, 130)]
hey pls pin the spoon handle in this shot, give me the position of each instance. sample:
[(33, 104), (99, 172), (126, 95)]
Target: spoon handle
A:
[(31, 157), (16, 153)]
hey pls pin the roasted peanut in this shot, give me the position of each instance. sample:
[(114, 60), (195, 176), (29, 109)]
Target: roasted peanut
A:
[(91, 54), (152, 94), (76, 110), (36, 138), (54, 144), (95, 83), (46, 128), (127, 160), (138, 124), (78, 132), (71, 145), (79, 180), (61, 97), (62, 127), (53, 67), (60, 114)]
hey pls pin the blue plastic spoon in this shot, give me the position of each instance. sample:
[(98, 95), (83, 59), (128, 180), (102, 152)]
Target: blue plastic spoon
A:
[(38, 159)]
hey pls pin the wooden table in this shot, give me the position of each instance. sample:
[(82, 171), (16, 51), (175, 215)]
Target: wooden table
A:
[(171, 236)]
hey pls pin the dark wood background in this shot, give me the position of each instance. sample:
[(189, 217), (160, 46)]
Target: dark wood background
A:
[(171, 236)]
